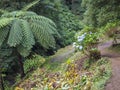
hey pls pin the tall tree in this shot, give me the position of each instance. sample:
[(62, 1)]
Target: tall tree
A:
[(99, 12)]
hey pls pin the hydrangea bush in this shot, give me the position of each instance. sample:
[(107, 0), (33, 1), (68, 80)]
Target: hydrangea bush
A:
[(87, 41)]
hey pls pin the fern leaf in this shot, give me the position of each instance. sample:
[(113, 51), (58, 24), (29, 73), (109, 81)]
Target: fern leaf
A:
[(47, 23), (3, 34), (43, 36), (28, 38), (15, 35), (5, 21), (43, 29), (23, 51), (30, 5)]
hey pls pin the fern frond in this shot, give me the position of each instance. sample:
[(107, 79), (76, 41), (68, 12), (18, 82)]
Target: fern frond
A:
[(5, 21), (28, 38), (23, 50), (43, 36), (47, 23), (43, 29), (15, 35), (30, 5), (3, 34)]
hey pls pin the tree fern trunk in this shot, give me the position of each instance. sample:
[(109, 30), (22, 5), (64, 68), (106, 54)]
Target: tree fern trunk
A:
[(22, 73)]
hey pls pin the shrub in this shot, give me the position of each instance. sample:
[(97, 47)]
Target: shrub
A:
[(87, 41), (33, 63), (95, 54)]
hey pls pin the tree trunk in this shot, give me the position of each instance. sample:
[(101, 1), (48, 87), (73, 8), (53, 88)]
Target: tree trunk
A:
[(22, 73), (1, 82)]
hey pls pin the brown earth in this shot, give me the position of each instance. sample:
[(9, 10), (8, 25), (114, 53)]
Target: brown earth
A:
[(114, 57)]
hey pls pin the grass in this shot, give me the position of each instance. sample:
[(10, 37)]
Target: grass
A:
[(54, 62), (103, 73)]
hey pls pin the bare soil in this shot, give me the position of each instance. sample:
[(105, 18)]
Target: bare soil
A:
[(114, 57)]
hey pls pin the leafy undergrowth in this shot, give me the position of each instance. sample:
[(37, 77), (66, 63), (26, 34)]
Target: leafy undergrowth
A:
[(75, 72), (92, 77)]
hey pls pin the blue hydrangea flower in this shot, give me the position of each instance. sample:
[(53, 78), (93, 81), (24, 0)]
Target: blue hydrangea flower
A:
[(81, 38), (80, 47)]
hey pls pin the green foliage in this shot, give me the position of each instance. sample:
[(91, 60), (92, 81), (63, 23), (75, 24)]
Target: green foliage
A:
[(87, 41), (67, 23), (102, 74), (111, 30), (30, 5), (33, 63), (8, 60), (92, 79), (25, 28), (98, 13), (86, 64)]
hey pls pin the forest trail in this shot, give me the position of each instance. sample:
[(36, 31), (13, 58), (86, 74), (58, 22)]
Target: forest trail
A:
[(60, 56), (114, 82)]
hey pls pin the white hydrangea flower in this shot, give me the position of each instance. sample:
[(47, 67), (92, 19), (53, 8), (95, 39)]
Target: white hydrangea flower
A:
[(79, 40), (74, 44), (81, 37), (80, 47)]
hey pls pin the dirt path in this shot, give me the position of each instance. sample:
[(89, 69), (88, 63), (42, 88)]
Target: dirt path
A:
[(60, 56), (114, 82)]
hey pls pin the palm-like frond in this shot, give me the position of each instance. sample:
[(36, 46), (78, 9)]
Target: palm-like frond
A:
[(42, 36), (5, 21), (3, 34), (4, 28), (44, 22), (43, 30), (28, 38), (30, 5), (16, 34), (23, 50)]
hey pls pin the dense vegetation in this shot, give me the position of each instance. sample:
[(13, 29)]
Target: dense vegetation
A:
[(31, 33)]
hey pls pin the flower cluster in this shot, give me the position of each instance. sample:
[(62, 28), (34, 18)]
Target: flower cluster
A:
[(78, 44), (81, 38)]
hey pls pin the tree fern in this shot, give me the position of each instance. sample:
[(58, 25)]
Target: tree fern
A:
[(21, 29), (16, 34), (26, 27)]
